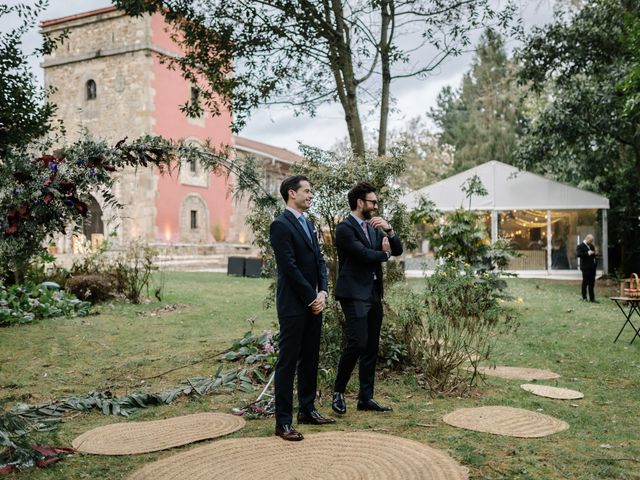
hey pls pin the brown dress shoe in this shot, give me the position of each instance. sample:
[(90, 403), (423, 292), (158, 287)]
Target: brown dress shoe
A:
[(287, 432), (314, 418)]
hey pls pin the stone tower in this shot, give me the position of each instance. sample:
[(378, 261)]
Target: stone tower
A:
[(111, 84)]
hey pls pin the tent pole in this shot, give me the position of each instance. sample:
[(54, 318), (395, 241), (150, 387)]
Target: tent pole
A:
[(605, 243), (494, 226), (549, 242)]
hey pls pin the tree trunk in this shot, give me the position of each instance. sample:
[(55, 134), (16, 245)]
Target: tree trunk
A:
[(341, 61), (386, 12)]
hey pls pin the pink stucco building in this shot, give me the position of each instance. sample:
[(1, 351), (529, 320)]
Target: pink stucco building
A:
[(110, 82)]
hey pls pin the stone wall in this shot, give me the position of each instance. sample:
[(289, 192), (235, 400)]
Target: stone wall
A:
[(114, 51)]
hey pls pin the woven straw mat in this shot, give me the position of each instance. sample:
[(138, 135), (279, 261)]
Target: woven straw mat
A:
[(129, 438), (334, 455), (517, 373), (512, 422), (552, 392)]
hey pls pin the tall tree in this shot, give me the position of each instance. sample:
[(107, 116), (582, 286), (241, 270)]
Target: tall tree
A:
[(482, 118), (586, 132), (305, 53)]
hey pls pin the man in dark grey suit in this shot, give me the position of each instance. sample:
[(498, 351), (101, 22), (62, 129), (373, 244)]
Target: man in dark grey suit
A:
[(300, 300), (364, 241), (586, 252)]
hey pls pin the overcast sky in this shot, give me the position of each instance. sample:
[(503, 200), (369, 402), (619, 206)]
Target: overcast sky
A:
[(278, 126)]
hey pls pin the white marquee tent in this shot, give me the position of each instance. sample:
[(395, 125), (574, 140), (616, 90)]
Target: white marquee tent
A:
[(527, 200)]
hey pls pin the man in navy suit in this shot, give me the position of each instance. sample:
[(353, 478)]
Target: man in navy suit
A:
[(586, 252), (300, 300), (364, 241)]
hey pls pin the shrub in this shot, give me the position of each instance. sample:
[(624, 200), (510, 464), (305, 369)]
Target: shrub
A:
[(28, 302), (91, 288), (132, 270), (450, 325), (127, 273)]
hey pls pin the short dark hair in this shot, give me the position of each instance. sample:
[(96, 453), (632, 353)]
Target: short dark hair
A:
[(359, 191), (291, 183)]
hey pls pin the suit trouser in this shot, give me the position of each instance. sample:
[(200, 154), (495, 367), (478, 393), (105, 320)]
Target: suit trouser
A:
[(364, 320), (588, 280), (299, 348)]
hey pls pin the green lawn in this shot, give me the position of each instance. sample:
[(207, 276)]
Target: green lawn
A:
[(117, 348)]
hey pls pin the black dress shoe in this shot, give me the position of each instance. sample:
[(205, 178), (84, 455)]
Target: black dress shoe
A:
[(372, 405), (287, 432), (338, 404), (314, 418)]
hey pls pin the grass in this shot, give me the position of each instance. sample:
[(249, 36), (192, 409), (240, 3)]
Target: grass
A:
[(118, 348)]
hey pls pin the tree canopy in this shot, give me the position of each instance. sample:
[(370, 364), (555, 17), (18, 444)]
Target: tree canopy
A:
[(304, 53), (581, 69), (25, 114), (481, 119)]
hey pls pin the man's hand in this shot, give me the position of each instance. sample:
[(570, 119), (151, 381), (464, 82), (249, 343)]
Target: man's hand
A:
[(319, 303), (386, 246), (377, 222)]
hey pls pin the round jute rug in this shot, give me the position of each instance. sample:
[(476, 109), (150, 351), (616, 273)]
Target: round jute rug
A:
[(141, 437), (334, 455), (517, 373), (552, 392), (513, 422)]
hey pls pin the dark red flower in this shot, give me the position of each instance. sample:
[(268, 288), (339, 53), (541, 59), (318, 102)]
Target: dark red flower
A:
[(22, 177), (23, 210), (11, 229), (109, 168), (47, 198), (67, 187), (81, 207), (11, 214)]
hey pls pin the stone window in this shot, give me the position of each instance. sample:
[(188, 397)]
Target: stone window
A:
[(91, 90), (195, 95), (194, 219)]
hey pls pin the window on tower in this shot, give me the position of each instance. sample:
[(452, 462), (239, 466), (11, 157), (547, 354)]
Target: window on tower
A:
[(91, 90), (194, 219)]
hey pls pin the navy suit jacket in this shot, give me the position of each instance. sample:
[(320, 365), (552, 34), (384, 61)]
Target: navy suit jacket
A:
[(301, 269), (359, 260), (587, 262)]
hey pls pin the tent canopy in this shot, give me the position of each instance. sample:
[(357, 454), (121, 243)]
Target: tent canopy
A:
[(509, 188)]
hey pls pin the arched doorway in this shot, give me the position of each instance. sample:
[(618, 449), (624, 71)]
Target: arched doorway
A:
[(93, 222)]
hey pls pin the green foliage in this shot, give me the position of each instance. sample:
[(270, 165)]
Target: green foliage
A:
[(461, 236), (255, 348), (25, 115), (103, 273), (41, 195), (481, 119), (427, 161), (450, 325), (29, 302), (132, 270), (585, 131)]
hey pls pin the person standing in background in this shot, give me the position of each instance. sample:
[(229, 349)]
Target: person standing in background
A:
[(586, 252)]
